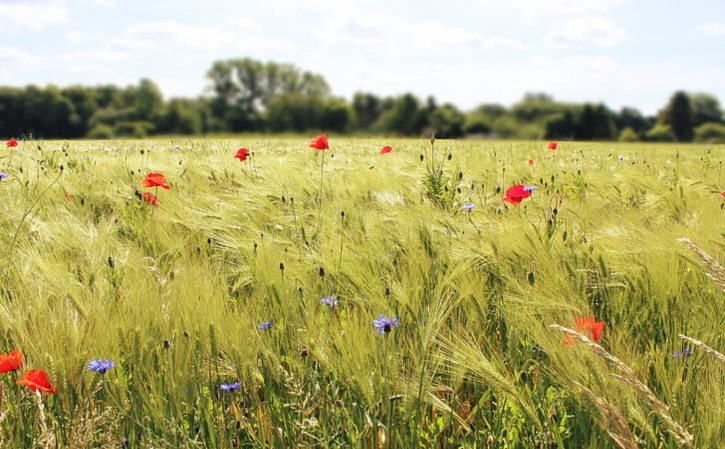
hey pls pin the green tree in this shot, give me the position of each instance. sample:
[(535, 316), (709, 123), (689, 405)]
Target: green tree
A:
[(678, 115), (705, 109), (366, 108), (710, 133)]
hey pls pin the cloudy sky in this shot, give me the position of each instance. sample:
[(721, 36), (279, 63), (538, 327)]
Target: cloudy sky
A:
[(622, 52)]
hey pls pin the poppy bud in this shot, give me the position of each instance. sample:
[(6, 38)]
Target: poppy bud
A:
[(255, 246), (387, 291), (208, 241), (530, 277), (322, 272), (172, 275), (450, 156), (498, 189), (61, 167), (187, 334), (292, 200), (142, 151), (166, 344), (111, 262), (555, 211), (421, 157), (281, 266), (303, 351), (565, 235), (198, 250), (83, 201), (284, 200)]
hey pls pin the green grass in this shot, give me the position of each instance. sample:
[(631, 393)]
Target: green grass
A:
[(173, 293)]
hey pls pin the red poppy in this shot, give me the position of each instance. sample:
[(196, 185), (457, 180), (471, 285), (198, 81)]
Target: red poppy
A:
[(516, 194), (589, 326), (320, 143), (155, 179), (553, 145), (150, 198), (11, 143), (242, 154), (386, 149), (531, 162), (37, 380), (723, 194), (11, 361)]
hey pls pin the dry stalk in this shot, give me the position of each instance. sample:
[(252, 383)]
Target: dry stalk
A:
[(717, 272), (704, 347), (616, 424)]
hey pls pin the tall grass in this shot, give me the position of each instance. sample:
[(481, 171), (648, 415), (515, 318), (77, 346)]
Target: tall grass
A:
[(174, 294)]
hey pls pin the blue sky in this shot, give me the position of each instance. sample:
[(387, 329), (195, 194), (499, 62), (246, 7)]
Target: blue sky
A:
[(622, 52)]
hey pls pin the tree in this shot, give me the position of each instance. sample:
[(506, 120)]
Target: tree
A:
[(366, 108), (705, 109), (405, 117), (631, 118), (710, 133), (678, 115)]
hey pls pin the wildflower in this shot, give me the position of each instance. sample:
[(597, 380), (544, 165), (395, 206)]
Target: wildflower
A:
[(37, 380), (329, 300), (177, 147), (155, 179), (386, 149), (12, 143), (723, 194), (150, 198), (242, 154), (320, 143), (3, 175), (531, 162), (468, 207), (553, 145), (267, 325), (517, 193), (682, 354), (620, 158), (11, 361), (530, 188), (384, 324), (100, 366), (230, 387), (587, 325)]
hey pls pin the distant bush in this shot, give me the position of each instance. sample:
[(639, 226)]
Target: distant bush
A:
[(710, 133), (100, 131), (660, 133), (133, 129), (628, 135)]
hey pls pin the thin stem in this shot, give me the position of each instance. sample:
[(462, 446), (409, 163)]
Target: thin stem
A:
[(322, 174)]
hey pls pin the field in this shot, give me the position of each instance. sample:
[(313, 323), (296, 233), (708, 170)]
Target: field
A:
[(270, 272)]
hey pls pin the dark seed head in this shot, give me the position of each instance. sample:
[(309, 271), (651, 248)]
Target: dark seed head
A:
[(303, 351), (166, 344), (142, 151), (111, 262), (530, 277), (387, 291), (421, 157), (322, 272), (281, 266)]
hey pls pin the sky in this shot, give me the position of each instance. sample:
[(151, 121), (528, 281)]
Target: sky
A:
[(467, 52)]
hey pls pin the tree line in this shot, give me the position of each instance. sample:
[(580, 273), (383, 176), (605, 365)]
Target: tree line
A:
[(245, 95)]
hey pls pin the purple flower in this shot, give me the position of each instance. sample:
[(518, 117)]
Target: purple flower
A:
[(3, 175), (230, 387), (329, 300), (100, 366), (530, 188), (267, 325), (620, 158), (384, 324), (682, 354), (468, 207)]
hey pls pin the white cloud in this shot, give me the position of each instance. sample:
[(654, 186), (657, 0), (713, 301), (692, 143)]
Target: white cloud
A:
[(111, 4), (244, 25), (398, 35), (10, 57), (596, 64), (595, 31), (532, 10), (711, 29), (33, 15)]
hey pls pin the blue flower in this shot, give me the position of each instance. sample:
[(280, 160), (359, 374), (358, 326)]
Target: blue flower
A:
[(230, 387), (530, 188), (101, 366), (620, 158), (329, 300), (682, 354), (468, 207), (267, 325), (3, 175), (384, 324)]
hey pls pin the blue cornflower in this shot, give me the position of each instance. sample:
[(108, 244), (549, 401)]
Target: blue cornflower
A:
[(530, 188), (468, 207), (384, 324), (329, 300), (101, 366), (267, 325), (682, 354), (3, 175), (230, 387), (620, 158)]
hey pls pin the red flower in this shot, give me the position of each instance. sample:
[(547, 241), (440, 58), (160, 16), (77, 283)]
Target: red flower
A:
[(531, 162), (553, 146), (723, 194), (516, 194), (155, 179), (149, 198), (320, 143), (37, 380), (11, 362), (586, 325), (386, 149), (242, 154), (11, 143)]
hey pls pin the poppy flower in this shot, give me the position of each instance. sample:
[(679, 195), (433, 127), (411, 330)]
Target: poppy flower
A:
[(589, 326), (320, 143), (517, 193), (12, 143), (11, 361), (531, 162), (723, 194), (150, 198), (242, 154), (553, 146), (37, 380), (155, 179), (386, 149)]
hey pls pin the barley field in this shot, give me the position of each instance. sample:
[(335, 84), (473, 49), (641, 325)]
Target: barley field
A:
[(296, 297)]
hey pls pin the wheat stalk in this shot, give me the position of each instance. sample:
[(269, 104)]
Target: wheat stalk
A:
[(703, 346), (617, 426), (717, 272)]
